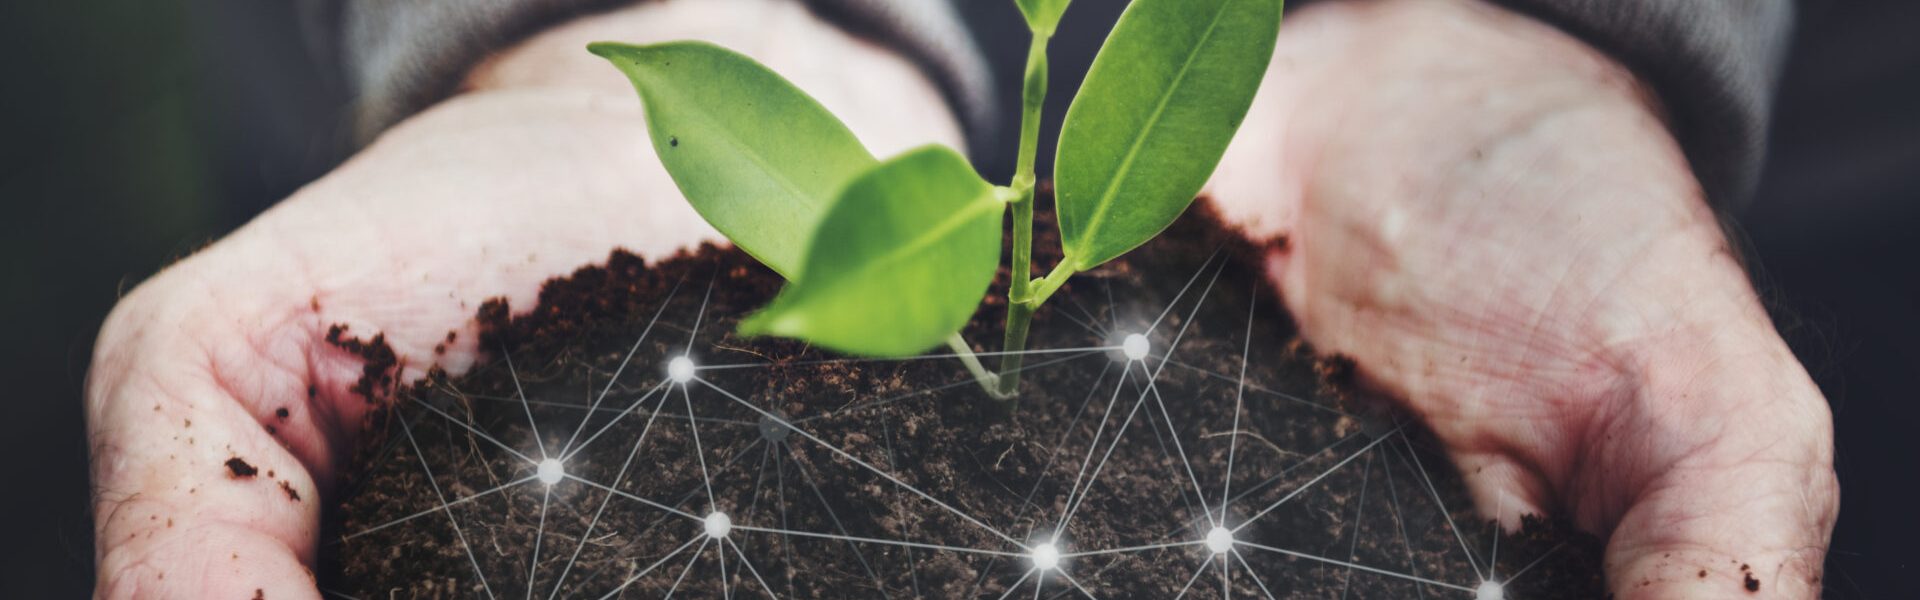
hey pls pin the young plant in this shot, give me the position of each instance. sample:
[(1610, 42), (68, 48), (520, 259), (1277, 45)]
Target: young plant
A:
[(891, 258)]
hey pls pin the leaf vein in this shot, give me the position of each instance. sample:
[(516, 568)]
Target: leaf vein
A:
[(1133, 149)]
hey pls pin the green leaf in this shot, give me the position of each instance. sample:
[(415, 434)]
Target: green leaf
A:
[(899, 263), (757, 157), (1156, 111), (1042, 15)]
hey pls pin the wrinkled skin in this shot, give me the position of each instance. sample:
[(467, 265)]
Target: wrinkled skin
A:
[(1491, 220), (1485, 215)]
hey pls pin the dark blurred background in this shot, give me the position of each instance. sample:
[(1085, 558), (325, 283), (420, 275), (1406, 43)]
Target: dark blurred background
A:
[(135, 131)]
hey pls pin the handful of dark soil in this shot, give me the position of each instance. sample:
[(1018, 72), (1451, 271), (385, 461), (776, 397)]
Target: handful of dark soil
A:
[(853, 478)]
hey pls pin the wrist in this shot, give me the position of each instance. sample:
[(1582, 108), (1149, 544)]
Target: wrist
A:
[(1480, 58), (1415, 86)]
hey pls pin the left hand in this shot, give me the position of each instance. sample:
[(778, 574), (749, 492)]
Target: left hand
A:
[(1490, 218)]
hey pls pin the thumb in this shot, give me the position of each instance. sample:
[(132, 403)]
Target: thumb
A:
[(1736, 531), (193, 497), (214, 426), (1729, 523), (1724, 487)]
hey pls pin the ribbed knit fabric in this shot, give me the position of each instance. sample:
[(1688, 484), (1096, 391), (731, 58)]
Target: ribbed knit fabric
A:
[(1713, 63), (401, 56)]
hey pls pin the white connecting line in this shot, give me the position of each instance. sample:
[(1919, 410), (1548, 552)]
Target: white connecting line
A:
[(1222, 545)]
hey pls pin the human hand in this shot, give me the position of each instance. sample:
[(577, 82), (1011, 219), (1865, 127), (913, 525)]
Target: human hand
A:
[(541, 166), (1492, 221)]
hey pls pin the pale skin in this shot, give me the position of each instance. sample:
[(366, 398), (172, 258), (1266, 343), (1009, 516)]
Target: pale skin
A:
[(1485, 214)]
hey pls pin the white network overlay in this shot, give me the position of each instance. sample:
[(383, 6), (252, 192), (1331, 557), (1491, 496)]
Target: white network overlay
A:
[(732, 542)]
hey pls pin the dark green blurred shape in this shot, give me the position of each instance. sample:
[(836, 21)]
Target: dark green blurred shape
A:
[(101, 179)]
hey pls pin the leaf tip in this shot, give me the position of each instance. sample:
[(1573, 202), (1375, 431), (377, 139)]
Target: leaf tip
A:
[(768, 321), (606, 50)]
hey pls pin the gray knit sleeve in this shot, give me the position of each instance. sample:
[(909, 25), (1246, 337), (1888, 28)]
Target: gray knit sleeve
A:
[(401, 56), (1713, 64)]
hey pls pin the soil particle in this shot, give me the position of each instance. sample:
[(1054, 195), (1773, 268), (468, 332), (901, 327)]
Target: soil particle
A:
[(259, 594), (1753, 585), (291, 493), (282, 413), (1335, 372), (238, 468), (377, 375)]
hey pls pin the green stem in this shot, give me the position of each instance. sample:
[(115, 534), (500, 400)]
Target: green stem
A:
[(964, 351), (1043, 289), (1019, 317), (1033, 97), (1020, 303)]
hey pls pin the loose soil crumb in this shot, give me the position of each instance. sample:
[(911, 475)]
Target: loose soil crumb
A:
[(1336, 374), (1319, 486), (238, 468), (377, 376)]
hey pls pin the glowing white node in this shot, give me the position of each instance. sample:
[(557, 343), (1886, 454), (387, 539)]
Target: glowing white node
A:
[(1490, 590), (550, 471), (718, 525), (1219, 540), (1046, 556), (1135, 346), (680, 369)]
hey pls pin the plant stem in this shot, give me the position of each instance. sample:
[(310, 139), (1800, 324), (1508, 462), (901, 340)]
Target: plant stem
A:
[(1044, 288), (986, 378), (1033, 97), (1020, 300)]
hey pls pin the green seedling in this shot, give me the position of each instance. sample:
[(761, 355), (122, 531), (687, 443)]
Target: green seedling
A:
[(890, 258)]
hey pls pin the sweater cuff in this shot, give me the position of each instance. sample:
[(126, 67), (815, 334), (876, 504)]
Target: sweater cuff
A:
[(1713, 64), (402, 56)]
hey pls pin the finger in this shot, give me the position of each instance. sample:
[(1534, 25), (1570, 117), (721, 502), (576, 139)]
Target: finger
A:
[(198, 493), (1725, 531), (1737, 502)]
